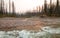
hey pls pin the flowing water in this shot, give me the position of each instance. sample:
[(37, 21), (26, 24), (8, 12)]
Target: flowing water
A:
[(46, 32)]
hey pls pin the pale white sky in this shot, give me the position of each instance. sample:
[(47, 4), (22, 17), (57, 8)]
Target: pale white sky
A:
[(24, 5)]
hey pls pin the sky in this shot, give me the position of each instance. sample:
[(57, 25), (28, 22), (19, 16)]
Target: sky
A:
[(26, 5)]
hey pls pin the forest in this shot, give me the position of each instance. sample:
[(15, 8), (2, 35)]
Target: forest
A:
[(48, 10)]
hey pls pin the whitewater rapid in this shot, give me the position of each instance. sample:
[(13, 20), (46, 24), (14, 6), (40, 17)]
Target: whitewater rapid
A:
[(47, 32)]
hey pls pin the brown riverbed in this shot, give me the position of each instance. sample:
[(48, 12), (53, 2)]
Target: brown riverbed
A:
[(28, 23)]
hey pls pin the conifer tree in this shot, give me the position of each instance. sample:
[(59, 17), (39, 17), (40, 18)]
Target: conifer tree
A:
[(45, 6), (57, 8)]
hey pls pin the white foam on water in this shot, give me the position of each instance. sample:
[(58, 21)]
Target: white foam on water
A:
[(46, 33), (51, 30)]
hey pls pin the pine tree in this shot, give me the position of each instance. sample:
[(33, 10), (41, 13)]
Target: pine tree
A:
[(45, 6), (57, 8), (2, 6), (9, 6), (13, 9), (51, 8)]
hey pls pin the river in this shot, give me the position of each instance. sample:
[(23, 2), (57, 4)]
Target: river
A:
[(49, 28)]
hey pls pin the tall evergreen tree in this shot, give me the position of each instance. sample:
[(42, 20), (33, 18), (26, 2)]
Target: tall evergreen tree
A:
[(13, 9), (9, 5), (57, 8), (45, 6), (51, 8), (2, 7)]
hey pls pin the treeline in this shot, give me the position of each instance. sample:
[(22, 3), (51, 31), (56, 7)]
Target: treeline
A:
[(48, 10), (52, 9), (4, 10)]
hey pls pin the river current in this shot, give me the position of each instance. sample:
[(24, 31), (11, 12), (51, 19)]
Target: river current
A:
[(46, 32)]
